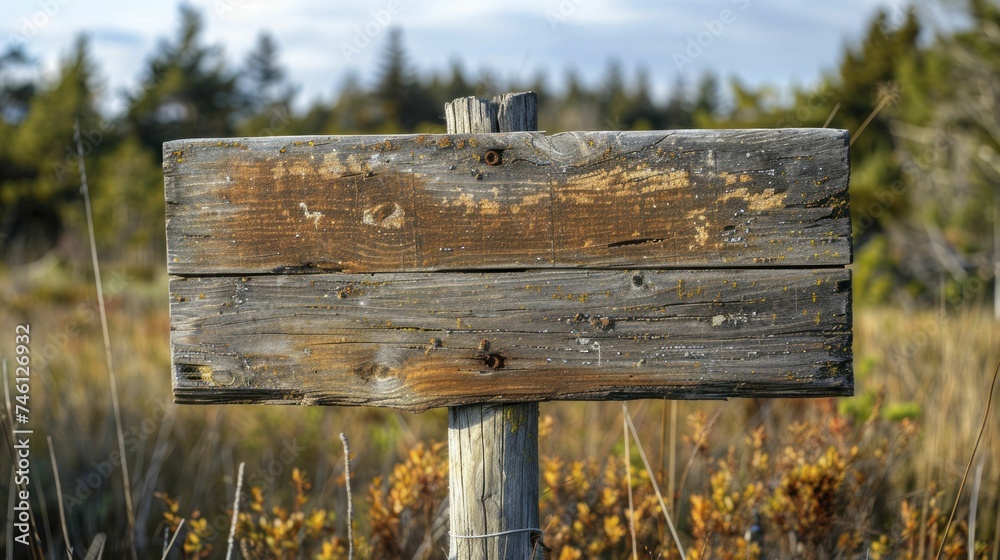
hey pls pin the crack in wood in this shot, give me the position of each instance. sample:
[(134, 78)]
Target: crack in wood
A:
[(644, 241)]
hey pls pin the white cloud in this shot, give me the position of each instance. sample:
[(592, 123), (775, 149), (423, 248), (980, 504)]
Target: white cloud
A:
[(783, 41)]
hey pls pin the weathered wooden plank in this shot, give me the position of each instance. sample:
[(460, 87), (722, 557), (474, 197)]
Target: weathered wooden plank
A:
[(419, 340), (659, 199)]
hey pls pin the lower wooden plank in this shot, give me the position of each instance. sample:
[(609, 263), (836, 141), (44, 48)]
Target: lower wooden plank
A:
[(421, 340)]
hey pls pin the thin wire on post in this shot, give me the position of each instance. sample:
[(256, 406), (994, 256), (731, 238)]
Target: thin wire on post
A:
[(500, 534)]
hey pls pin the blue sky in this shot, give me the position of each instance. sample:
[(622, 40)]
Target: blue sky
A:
[(782, 42)]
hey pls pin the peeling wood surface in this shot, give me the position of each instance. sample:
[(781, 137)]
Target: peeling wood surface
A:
[(658, 199), (418, 340)]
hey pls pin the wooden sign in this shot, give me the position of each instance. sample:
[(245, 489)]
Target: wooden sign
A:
[(419, 271)]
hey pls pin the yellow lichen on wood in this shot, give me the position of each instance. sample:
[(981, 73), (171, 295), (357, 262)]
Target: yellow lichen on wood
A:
[(768, 199)]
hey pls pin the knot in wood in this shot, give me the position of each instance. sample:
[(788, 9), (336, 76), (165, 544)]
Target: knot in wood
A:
[(387, 215)]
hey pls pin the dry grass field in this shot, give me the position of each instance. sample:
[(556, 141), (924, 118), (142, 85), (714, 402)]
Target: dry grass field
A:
[(870, 476)]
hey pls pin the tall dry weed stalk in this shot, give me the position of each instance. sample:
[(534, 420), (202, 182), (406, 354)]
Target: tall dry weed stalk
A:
[(108, 357)]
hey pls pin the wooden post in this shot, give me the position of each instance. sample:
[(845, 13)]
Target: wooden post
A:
[(493, 448)]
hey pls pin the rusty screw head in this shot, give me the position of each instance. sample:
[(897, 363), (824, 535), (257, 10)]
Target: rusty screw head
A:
[(493, 157)]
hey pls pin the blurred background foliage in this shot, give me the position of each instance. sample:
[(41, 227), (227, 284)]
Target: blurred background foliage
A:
[(923, 105)]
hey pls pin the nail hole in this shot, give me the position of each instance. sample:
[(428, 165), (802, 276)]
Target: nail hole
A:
[(637, 280), (729, 228), (494, 361), (493, 157)]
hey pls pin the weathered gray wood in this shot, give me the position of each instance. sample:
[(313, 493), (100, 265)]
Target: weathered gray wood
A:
[(468, 115), (493, 449), (702, 198), (414, 341)]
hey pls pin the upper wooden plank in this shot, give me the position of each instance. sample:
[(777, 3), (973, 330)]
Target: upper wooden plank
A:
[(657, 199)]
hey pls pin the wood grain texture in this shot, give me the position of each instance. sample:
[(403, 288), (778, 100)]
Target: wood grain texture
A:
[(493, 474), (418, 340), (658, 199)]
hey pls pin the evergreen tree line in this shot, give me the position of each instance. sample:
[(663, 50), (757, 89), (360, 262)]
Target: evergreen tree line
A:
[(922, 108)]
